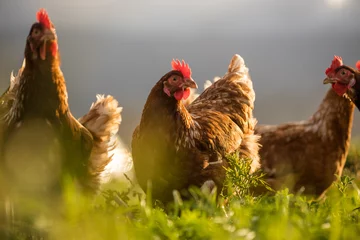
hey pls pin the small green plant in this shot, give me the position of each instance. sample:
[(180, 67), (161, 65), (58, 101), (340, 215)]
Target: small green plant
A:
[(239, 181), (343, 183)]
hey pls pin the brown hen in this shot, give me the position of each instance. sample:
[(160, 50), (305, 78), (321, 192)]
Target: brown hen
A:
[(306, 156), (175, 146), (42, 144)]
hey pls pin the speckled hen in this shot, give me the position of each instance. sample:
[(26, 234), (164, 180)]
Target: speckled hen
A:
[(176, 146), (306, 156)]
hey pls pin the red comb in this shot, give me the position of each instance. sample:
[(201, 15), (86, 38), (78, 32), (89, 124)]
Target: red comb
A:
[(43, 18), (182, 67), (336, 62), (358, 65)]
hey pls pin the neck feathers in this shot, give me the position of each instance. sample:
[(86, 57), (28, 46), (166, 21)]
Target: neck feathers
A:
[(334, 117), (164, 111), (41, 91)]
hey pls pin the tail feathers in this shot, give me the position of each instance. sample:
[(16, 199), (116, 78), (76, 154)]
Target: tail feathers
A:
[(104, 117), (121, 163), (237, 64), (103, 122), (250, 145)]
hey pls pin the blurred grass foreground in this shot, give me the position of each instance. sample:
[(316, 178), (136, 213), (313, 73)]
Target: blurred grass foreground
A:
[(121, 211)]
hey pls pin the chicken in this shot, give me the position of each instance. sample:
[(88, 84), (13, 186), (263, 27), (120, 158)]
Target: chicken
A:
[(306, 156), (41, 135), (175, 146), (347, 83), (42, 144), (103, 122)]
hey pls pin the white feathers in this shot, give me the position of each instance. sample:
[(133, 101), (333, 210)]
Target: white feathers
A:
[(208, 83), (237, 64), (121, 163), (108, 116), (106, 106), (109, 158)]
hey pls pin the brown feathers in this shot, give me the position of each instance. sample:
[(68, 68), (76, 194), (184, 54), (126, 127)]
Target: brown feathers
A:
[(176, 146), (306, 156), (227, 106), (36, 108)]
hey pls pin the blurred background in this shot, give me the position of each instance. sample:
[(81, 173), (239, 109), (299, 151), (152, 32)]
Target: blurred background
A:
[(123, 47)]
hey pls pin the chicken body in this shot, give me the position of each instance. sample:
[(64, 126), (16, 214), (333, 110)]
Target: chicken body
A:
[(308, 155), (102, 121), (42, 145), (42, 142), (175, 146)]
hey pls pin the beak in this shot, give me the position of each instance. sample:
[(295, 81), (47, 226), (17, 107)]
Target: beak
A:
[(189, 82), (49, 34), (329, 80)]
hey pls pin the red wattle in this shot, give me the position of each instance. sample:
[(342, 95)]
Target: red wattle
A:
[(340, 89), (54, 48), (179, 94), (186, 93)]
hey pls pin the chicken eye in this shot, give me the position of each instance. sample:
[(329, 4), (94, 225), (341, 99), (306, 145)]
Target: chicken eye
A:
[(343, 72), (36, 32), (174, 79)]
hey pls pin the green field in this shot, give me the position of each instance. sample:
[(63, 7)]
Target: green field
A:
[(121, 212)]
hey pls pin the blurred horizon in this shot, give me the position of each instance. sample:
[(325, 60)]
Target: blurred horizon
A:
[(123, 48)]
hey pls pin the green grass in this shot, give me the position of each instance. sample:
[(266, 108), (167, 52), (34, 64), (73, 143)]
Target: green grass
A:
[(124, 213)]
